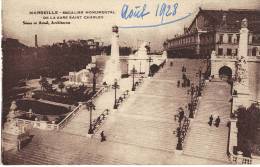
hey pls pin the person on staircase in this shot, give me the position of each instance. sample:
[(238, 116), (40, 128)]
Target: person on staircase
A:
[(178, 83), (217, 121), (103, 137), (181, 114), (210, 120), (183, 68)]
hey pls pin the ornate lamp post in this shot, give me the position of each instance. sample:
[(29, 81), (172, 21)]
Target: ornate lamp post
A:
[(191, 107), (199, 91), (133, 72), (115, 86), (90, 107), (149, 61)]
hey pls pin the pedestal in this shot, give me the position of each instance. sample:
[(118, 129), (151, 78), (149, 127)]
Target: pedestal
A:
[(10, 141)]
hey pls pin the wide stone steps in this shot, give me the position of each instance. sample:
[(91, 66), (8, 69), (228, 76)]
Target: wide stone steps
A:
[(144, 133), (203, 143), (207, 141), (56, 153)]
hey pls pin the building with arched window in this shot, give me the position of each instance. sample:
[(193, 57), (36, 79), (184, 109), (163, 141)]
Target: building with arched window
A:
[(216, 30)]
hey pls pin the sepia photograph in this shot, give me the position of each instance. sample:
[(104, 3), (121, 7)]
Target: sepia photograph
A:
[(130, 82)]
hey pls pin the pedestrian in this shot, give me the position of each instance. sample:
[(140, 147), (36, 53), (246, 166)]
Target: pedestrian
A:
[(181, 114), (188, 82), (182, 85), (171, 63), (217, 121), (182, 69), (103, 137), (184, 76), (178, 83), (178, 132), (185, 82), (210, 120)]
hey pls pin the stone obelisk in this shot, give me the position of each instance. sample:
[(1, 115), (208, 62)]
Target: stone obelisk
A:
[(242, 79), (112, 69)]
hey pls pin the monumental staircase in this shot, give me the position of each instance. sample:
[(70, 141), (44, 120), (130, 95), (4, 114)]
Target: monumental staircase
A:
[(145, 123), (207, 141)]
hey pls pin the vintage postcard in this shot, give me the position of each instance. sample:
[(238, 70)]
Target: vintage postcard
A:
[(130, 82)]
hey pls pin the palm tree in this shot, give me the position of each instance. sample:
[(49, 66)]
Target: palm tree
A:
[(43, 82), (94, 70)]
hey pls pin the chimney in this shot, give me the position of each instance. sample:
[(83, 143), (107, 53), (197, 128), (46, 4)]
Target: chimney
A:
[(36, 41)]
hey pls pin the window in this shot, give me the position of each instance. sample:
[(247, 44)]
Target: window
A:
[(221, 38), (229, 38), (220, 51), (254, 51), (229, 52)]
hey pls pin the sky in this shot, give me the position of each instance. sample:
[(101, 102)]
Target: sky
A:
[(17, 11)]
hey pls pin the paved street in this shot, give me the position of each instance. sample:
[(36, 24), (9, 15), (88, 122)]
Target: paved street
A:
[(139, 132)]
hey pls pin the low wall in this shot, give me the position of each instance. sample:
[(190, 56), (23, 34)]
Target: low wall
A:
[(44, 125), (232, 142)]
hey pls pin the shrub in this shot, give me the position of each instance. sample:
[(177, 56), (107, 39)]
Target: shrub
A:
[(248, 119)]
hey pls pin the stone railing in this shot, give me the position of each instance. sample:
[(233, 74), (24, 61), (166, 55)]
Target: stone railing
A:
[(100, 120), (44, 125), (77, 109), (99, 92), (68, 118), (232, 142)]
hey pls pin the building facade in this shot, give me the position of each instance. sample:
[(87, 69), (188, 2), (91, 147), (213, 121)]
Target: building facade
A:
[(215, 30)]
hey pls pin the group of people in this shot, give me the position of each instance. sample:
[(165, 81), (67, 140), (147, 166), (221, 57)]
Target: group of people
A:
[(217, 121), (185, 81)]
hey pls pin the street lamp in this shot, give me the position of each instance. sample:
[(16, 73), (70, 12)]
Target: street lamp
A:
[(199, 91), (90, 107), (149, 61), (115, 86), (133, 72), (191, 106)]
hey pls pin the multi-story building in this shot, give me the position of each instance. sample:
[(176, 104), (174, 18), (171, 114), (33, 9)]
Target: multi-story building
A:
[(216, 30)]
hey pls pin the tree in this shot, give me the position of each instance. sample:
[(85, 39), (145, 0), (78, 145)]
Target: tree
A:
[(94, 70), (43, 82), (61, 86), (248, 119), (49, 88)]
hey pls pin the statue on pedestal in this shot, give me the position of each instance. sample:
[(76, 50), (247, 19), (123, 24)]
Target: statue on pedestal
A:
[(10, 125), (241, 63)]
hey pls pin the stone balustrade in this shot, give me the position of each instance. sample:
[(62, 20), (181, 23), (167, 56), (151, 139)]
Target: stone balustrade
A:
[(44, 125), (235, 159)]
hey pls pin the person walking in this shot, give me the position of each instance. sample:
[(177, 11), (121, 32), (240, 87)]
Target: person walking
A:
[(103, 137), (181, 114), (178, 83), (188, 82), (217, 121), (182, 69), (210, 120)]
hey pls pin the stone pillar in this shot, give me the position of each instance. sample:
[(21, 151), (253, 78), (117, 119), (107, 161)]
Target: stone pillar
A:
[(112, 68), (11, 131), (242, 80), (213, 62)]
